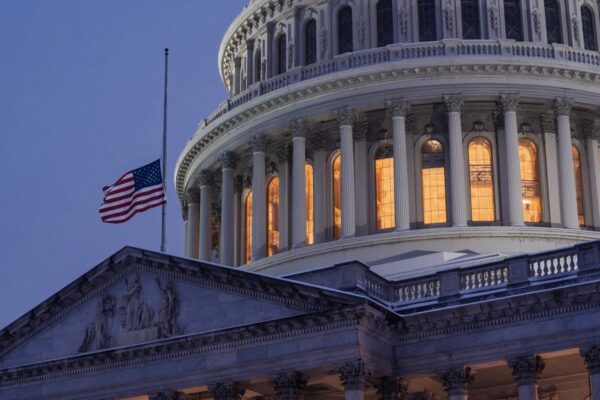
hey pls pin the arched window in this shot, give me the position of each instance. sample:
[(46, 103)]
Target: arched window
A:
[(513, 21), (336, 184), (589, 32), (553, 25), (530, 181), (385, 23), (427, 21), (384, 188), (257, 66), (471, 22), (248, 227), (272, 216), (310, 208), (281, 56), (481, 177), (578, 185), (433, 182), (345, 32), (310, 42)]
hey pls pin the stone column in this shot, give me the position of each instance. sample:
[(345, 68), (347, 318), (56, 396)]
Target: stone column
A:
[(227, 391), (457, 382), (390, 388), (591, 355), (353, 376), (458, 192), (249, 62), (361, 160), (346, 118), (591, 145), (510, 103), (568, 193), (192, 198), (237, 75), (299, 128), (259, 199), (289, 386), (526, 371), (166, 395), (228, 164), (282, 156), (399, 108), (205, 181), (238, 188), (319, 144)]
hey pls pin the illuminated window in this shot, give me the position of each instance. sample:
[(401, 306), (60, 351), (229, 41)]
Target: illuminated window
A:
[(481, 176), (553, 27), (384, 188), (248, 223), (385, 23), (272, 216), (310, 42), (512, 20), (336, 174), (433, 176), (281, 54), (310, 207), (530, 181), (578, 185), (345, 33)]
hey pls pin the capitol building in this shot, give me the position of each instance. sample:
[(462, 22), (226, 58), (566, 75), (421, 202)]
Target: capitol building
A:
[(399, 200)]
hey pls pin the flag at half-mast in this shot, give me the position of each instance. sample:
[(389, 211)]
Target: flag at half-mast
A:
[(136, 191)]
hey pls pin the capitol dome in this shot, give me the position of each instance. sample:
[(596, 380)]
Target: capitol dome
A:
[(383, 130)]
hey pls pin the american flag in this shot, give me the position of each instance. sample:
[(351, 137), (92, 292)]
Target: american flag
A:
[(136, 191)]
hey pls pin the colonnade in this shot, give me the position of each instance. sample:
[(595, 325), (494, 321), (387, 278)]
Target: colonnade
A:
[(355, 377), (198, 198)]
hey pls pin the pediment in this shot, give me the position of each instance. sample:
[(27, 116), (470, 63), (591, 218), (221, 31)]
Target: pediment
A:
[(138, 297)]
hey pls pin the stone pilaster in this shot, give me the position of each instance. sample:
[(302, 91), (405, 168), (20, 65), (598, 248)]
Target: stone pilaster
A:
[(282, 157), (591, 148), (568, 193), (228, 164), (454, 104), (346, 118), (457, 382), (509, 104), (591, 356), (192, 199), (398, 109), (259, 198), (237, 75), (390, 388), (238, 188), (289, 386), (353, 376), (250, 62), (299, 128), (227, 391), (526, 371), (205, 181), (319, 145)]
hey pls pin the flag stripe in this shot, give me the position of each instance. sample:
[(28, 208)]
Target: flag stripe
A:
[(134, 205), (125, 196), (129, 199), (136, 211)]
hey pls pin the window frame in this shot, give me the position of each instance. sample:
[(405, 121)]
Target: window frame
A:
[(338, 28), (490, 138)]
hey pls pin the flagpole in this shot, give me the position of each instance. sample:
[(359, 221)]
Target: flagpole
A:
[(163, 236)]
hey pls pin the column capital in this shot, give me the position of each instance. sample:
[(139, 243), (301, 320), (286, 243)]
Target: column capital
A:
[(300, 127), (205, 178), (319, 141), (282, 154), (527, 369), (510, 101), (167, 395), (361, 129), (353, 375), (228, 160), (227, 391), (259, 143), (192, 195), (390, 388), (398, 107), (454, 102), (563, 106), (346, 116), (457, 380), (591, 356), (289, 386)]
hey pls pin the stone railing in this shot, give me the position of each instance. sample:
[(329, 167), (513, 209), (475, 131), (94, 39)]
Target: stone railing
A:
[(410, 51), (522, 273)]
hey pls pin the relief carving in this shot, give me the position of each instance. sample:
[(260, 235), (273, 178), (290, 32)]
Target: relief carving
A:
[(135, 313), (168, 312), (96, 335)]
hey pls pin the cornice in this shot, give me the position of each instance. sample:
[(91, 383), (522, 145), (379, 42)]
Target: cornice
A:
[(358, 78)]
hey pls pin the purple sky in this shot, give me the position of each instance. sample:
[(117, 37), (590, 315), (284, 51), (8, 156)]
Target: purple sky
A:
[(81, 103)]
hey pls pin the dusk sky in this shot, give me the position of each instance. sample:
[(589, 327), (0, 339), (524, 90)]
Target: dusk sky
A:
[(81, 92)]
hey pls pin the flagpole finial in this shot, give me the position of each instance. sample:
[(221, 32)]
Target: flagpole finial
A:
[(166, 51)]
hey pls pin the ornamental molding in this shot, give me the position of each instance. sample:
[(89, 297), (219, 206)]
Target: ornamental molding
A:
[(282, 154), (167, 395), (454, 102), (306, 91), (527, 369), (354, 374), (591, 356), (300, 127), (360, 130), (398, 107), (192, 196), (227, 391), (563, 106), (229, 160), (390, 388), (457, 380), (205, 178), (259, 143), (510, 101), (346, 116), (289, 386)]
